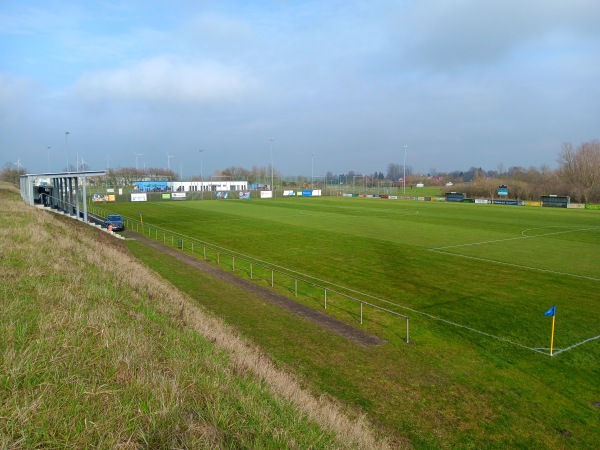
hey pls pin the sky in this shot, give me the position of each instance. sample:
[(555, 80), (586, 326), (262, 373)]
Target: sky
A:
[(438, 85)]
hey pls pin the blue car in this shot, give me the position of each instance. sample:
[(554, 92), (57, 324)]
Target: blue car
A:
[(116, 221)]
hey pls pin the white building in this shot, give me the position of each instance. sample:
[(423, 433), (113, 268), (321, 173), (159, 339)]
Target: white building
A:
[(207, 186)]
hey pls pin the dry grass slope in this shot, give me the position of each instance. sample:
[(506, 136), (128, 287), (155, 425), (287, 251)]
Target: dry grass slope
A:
[(98, 351)]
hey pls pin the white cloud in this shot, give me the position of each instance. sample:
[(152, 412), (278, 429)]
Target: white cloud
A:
[(15, 97), (472, 32), (162, 79)]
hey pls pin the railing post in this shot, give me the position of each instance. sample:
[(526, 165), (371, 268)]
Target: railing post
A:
[(192, 247), (250, 270), (272, 277), (407, 339), (296, 286), (204, 247), (325, 298), (361, 314), (233, 263)]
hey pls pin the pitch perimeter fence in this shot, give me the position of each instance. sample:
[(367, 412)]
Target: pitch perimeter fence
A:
[(256, 270)]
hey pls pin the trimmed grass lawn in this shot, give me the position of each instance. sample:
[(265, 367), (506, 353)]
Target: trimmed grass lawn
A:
[(475, 280)]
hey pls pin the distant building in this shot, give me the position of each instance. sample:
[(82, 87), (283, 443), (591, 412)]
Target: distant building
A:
[(207, 186)]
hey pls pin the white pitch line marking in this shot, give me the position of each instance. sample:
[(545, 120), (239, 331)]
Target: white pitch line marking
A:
[(514, 238), (577, 345), (441, 250), (449, 322), (515, 265)]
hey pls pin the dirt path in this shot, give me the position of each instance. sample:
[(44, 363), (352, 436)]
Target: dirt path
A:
[(343, 329)]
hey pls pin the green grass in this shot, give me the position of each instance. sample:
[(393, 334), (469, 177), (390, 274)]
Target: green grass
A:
[(489, 268), (96, 352)]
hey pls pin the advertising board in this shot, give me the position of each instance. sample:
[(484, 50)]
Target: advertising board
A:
[(139, 197)]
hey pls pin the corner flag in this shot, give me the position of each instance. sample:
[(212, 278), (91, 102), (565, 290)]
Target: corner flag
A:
[(551, 313)]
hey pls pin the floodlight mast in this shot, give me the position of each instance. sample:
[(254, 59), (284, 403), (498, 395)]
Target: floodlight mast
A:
[(312, 171), (201, 178), (404, 175), (67, 149), (271, 142)]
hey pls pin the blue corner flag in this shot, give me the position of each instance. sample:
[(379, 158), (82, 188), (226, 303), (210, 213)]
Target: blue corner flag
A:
[(551, 312)]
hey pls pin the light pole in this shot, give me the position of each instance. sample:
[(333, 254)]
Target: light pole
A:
[(271, 142), (312, 171), (201, 179), (49, 159), (169, 161), (404, 175), (67, 148)]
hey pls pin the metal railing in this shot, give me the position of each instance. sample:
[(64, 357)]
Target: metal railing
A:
[(199, 247)]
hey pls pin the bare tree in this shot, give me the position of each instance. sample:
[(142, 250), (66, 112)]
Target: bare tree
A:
[(11, 173), (566, 159), (394, 171), (580, 170), (588, 164)]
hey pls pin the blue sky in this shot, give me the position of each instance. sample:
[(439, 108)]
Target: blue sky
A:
[(338, 85)]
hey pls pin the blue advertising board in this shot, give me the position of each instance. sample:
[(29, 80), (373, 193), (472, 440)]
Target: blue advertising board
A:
[(150, 186)]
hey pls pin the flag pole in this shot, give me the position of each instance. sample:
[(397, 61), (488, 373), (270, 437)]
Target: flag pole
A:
[(552, 338)]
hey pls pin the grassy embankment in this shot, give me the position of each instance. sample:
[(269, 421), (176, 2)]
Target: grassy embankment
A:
[(454, 387), (99, 352)]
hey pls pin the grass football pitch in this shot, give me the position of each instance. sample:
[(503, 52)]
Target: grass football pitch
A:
[(474, 279), (495, 269)]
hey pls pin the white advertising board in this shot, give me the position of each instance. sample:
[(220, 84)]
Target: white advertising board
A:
[(139, 197)]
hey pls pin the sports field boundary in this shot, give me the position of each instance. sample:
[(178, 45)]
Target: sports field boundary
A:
[(328, 286)]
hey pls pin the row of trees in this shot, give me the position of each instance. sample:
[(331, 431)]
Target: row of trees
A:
[(577, 176)]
